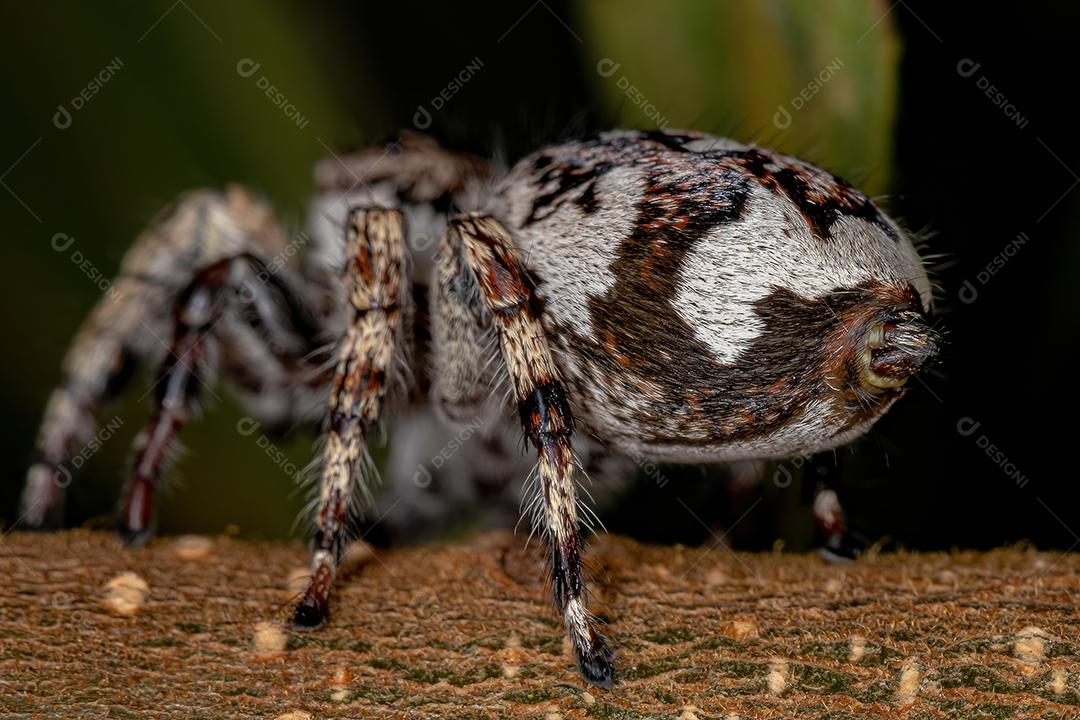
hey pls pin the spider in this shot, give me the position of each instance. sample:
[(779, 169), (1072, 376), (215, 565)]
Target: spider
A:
[(664, 295)]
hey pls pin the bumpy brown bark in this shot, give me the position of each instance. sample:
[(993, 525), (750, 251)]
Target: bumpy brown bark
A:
[(466, 631)]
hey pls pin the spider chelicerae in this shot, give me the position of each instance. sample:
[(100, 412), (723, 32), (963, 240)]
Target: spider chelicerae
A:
[(665, 295)]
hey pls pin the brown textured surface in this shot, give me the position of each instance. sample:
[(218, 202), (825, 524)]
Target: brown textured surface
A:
[(464, 631)]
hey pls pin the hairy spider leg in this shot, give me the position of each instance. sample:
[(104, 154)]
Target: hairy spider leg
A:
[(378, 294), (489, 257), (131, 324)]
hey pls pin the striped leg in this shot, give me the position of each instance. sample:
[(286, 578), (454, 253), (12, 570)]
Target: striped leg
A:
[(489, 258), (377, 293), (177, 393)]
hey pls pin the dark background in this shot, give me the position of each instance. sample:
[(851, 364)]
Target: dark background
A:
[(898, 119)]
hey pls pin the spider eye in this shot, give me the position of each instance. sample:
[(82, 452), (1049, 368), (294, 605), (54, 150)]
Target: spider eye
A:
[(894, 350)]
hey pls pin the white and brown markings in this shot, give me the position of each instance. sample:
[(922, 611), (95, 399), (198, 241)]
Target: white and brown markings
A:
[(719, 295)]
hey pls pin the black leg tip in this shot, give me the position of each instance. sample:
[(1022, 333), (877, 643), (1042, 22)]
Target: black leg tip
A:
[(598, 666), (840, 550), (135, 537), (309, 615)]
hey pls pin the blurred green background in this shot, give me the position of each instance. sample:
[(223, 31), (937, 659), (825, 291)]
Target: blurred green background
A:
[(867, 89)]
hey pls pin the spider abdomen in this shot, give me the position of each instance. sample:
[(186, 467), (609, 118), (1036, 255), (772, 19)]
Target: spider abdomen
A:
[(711, 300)]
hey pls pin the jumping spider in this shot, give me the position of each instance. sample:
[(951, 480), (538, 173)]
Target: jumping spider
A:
[(680, 296)]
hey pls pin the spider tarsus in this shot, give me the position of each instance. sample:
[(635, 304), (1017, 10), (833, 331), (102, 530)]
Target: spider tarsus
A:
[(597, 666), (840, 550), (42, 506), (309, 615), (135, 519), (135, 537)]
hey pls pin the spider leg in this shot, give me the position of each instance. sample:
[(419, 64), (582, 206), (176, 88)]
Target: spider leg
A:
[(273, 353), (99, 365), (376, 277), (131, 324), (837, 544), (177, 391), (489, 258), (233, 294), (464, 349)]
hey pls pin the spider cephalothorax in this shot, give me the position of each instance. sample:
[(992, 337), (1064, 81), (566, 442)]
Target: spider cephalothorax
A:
[(684, 297)]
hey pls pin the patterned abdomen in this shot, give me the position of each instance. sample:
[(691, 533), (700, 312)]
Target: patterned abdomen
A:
[(710, 300)]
